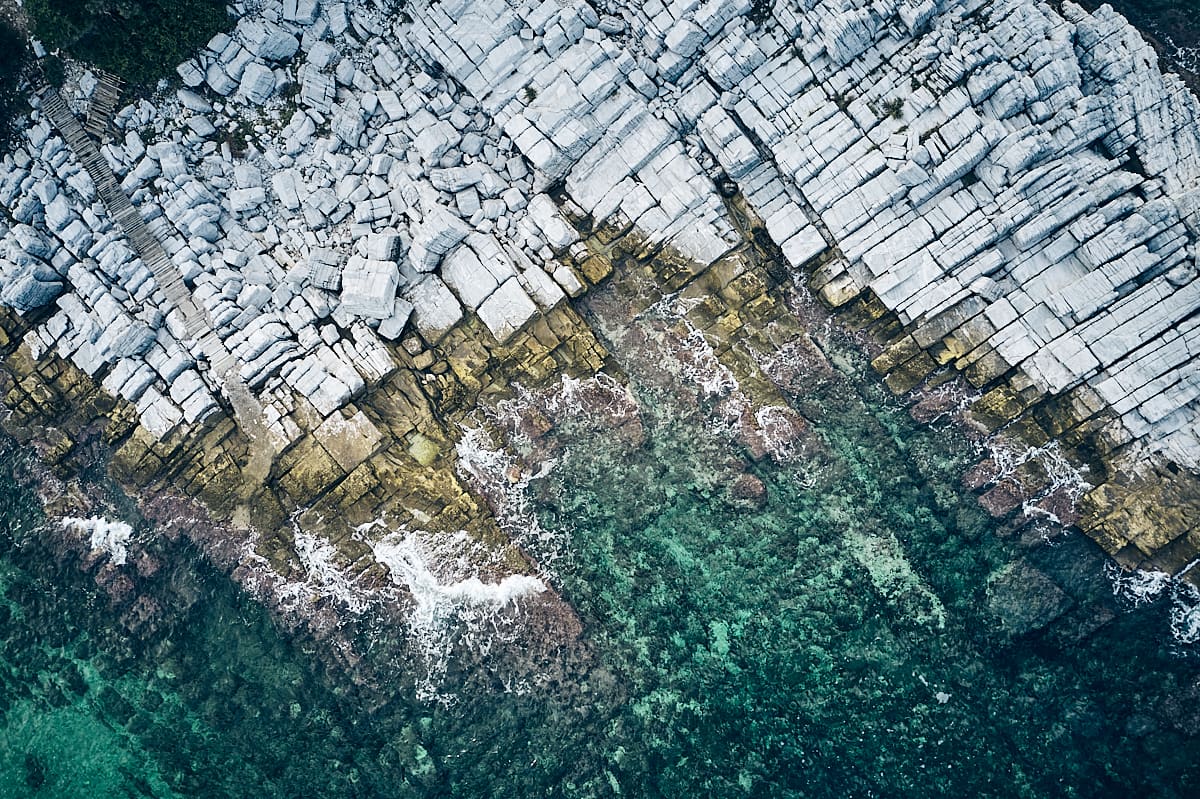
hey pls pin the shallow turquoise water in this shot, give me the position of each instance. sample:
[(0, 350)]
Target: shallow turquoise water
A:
[(841, 640)]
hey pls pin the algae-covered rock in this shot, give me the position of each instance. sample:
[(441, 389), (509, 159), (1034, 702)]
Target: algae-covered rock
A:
[(1147, 507), (748, 492), (423, 450)]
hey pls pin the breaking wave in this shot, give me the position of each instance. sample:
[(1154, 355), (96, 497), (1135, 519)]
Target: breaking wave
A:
[(111, 537), (1137, 587), (437, 600), (1140, 587), (1185, 614), (317, 557), (452, 605)]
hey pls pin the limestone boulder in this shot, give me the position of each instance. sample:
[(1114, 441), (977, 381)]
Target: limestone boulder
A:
[(267, 41), (507, 310), (438, 233), (29, 287), (258, 83), (301, 12), (394, 325), (435, 308), (468, 277), (369, 287)]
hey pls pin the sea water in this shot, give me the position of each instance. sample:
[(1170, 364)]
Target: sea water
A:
[(860, 627)]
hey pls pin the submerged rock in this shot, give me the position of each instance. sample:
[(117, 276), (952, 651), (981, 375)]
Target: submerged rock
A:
[(1024, 599), (749, 492)]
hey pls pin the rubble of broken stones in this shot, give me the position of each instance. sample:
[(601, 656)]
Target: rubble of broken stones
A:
[(1017, 183), (370, 200)]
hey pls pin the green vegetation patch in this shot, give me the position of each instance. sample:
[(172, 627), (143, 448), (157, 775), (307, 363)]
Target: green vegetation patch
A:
[(13, 57), (140, 40)]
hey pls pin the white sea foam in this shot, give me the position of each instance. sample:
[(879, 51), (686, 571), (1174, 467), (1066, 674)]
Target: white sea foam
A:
[(1187, 58), (1063, 475), (1185, 614), (779, 363), (957, 391), (1061, 471), (1140, 587), (317, 557), (777, 426), (498, 475), (672, 306), (105, 535), (322, 577), (698, 362), (601, 393), (1137, 587), (448, 603), (438, 600), (702, 366), (494, 471)]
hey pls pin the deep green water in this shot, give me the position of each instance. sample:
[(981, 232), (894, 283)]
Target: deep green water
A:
[(846, 639)]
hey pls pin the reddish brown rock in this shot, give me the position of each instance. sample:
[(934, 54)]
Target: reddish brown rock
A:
[(982, 474), (748, 491), (1003, 498)]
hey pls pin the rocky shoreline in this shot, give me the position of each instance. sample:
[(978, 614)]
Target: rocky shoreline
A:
[(374, 223)]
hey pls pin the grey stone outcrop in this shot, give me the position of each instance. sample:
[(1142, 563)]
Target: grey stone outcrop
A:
[(1020, 181)]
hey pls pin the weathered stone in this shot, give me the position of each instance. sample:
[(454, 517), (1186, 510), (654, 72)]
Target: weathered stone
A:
[(258, 83), (435, 309), (369, 287), (348, 441), (507, 310), (267, 40)]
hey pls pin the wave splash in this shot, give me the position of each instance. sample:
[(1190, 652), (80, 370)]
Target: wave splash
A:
[(499, 476), (437, 600), (1185, 614), (452, 605), (111, 537), (1142, 587), (497, 471), (317, 557)]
